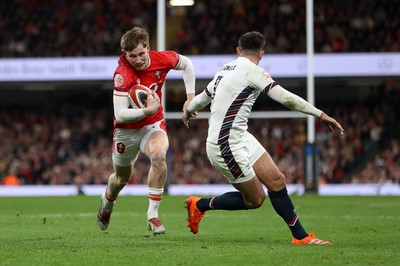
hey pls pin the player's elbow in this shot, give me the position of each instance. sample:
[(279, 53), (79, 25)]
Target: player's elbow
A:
[(120, 119)]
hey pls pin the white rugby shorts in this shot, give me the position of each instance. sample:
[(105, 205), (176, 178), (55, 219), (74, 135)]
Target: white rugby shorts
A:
[(127, 143), (235, 161)]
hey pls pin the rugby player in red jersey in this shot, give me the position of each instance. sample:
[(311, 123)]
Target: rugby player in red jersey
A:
[(142, 130)]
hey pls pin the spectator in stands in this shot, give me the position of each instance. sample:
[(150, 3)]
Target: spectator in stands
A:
[(11, 179), (50, 28), (368, 26), (74, 28)]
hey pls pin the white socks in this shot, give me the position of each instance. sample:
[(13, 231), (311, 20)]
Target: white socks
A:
[(155, 197)]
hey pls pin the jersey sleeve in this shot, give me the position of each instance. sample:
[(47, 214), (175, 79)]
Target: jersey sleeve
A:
[(123, 80), (262, 79), (171, 58)]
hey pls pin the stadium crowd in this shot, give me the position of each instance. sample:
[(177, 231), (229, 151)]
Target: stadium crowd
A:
[(72, 145), (212, 27), (39, 28)]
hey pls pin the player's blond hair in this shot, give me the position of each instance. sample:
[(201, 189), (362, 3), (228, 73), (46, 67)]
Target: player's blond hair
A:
[(133, 37)]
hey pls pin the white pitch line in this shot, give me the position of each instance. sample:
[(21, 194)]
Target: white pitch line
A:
[(183, 214)]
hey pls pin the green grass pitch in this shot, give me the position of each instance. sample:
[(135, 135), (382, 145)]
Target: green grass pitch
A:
[(63, 231)]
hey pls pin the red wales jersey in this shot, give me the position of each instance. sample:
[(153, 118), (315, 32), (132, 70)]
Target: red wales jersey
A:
[(153, 77)]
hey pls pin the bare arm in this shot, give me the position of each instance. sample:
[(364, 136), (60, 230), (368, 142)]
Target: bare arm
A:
[(198, 103), (331, 123)]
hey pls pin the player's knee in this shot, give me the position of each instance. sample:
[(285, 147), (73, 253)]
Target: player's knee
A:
[(277, 182), (122, 180), (255, 203), (121, 175), (157, 159)]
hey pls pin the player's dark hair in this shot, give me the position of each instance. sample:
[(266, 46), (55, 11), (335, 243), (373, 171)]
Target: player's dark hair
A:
[(133, 37), (251, 42)]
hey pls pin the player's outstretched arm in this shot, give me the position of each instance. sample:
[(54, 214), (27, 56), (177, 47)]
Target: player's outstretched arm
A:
[(189, 78), (331, 123), (198, 103), (190, 97), (187, 116), (295, 102)]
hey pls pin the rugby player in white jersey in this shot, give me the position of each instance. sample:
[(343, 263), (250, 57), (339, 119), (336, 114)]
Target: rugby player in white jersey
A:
[(234, 152)]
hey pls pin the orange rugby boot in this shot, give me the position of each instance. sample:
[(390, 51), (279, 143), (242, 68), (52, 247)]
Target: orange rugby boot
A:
[(310, 240), (194, 214)]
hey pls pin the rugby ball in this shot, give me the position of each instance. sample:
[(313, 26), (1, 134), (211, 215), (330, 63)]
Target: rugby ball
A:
[(137, 96)]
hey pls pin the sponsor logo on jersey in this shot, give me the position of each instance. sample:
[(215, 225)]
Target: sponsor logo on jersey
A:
[(118, 80)]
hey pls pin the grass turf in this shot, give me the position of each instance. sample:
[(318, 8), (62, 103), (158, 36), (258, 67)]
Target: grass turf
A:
[(63, 231)]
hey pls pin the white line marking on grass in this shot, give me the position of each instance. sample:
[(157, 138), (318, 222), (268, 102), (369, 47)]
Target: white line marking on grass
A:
[(384, 205), (352, 217), (210, 216), (63, 215)]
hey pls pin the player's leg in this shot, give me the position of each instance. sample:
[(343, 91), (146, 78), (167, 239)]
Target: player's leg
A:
[(124, 155), (116, 182), (155, 146), (234, 164), (274, 180), (250, 195), (269, 174)]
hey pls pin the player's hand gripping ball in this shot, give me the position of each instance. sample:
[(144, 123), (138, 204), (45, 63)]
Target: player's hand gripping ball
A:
[(137, 96)]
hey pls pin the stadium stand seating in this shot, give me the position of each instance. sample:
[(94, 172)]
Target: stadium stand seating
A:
[(72, 144), (39, 28), (213, 27)]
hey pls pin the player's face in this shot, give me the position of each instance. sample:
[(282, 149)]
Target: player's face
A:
[(138, 57)]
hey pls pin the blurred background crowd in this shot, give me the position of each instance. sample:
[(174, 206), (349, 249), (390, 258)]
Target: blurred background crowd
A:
[(68, 140), (70, 143), (40, 28)]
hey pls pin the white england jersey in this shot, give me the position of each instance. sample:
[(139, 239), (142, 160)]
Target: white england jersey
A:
[(233, 92)]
